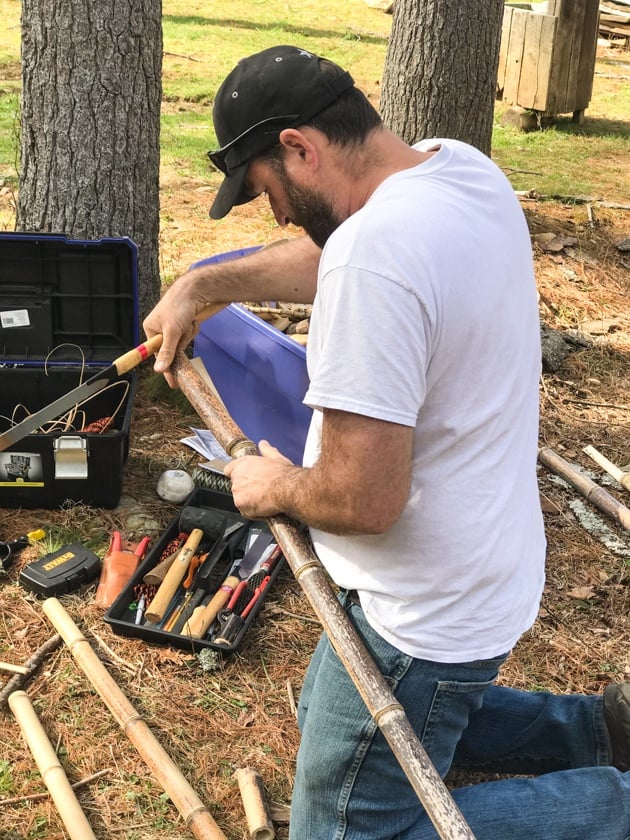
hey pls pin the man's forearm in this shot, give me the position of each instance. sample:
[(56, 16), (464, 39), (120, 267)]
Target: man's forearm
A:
[(286, 270)]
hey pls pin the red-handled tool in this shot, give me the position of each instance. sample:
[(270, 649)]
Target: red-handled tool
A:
[(255, 597), (94, 385), (230, 622)]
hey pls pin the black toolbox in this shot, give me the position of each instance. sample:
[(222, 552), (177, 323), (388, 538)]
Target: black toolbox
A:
[(68, 308), (127, 616)]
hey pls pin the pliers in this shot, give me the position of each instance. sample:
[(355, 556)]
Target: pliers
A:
[(10, 548)]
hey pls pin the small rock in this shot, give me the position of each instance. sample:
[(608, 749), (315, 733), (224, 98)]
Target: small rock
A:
[(553, 241), (556, 346), (142, 523), (175, 486)]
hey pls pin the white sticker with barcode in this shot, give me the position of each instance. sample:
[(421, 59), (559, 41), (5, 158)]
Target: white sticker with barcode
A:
[(15, 318)]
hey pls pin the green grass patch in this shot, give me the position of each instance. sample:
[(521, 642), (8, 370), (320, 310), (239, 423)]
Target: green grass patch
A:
[(186, 137), (6, 777), (9, 135), (566, 159), (202, 43)]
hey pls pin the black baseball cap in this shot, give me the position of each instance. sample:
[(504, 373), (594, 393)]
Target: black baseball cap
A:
[(281, 87)]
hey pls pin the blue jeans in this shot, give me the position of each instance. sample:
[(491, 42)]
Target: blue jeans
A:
[(349, 785)]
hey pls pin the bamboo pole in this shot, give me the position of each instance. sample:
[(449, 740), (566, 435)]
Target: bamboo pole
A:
[(612, 469), (592, 492), (50, 768), (195, 814), (387, 712), (14, 669), (259, 824)]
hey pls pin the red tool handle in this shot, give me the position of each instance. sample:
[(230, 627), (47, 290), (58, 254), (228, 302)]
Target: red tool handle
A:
[(236, 595), (257, 593)]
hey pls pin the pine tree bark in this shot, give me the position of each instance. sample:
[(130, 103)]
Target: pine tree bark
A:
[(90, 124), (441, 69)]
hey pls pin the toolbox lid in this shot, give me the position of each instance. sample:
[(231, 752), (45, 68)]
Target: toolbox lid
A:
[(63, 294)]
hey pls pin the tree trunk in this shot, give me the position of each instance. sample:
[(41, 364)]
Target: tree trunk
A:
[(441, 69), (91, 95)]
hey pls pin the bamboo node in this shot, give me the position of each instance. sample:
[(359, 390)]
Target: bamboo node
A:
[(308, 566), (386, 710)]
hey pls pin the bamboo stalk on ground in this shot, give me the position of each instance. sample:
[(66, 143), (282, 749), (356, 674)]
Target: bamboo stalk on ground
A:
[(593, 493), (49, 766), (387, 712), (259, 824), (612, 469), (195, 814)]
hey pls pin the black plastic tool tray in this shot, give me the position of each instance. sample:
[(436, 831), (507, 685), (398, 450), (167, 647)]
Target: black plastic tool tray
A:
[(68, 308), (122, 613)]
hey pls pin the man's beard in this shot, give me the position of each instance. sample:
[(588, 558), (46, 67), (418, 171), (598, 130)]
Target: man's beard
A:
[(309, 209)]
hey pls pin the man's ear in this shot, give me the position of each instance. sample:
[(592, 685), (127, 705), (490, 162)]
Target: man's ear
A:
[(299, 146)]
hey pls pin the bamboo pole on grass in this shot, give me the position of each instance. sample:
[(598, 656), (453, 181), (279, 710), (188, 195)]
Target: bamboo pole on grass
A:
[(387, 712), (592, 492), (259, 824), (50, 768), (195, 814), (612, 469)]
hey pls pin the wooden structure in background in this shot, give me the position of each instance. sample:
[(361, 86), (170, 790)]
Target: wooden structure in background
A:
[(547, 56), (614, 20)]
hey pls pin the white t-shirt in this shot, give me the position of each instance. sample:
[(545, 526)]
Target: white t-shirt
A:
[(426, 316)]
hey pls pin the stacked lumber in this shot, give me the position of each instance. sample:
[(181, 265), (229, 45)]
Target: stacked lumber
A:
[(614, 19)]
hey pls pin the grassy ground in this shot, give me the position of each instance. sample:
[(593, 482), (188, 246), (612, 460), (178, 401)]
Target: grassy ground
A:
[(241, 713)]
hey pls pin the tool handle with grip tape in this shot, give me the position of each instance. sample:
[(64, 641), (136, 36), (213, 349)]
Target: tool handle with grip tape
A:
[(132, 358)]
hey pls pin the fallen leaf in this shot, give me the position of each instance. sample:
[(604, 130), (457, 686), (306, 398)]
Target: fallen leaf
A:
[(582, 593), (246, 718), (170, 655), (553, 241)]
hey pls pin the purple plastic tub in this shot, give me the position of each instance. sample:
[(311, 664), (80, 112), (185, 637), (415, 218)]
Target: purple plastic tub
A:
[(259, 372)]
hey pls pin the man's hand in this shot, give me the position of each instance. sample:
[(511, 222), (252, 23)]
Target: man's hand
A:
[(344, 491), (175, 318), (254, 479)]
